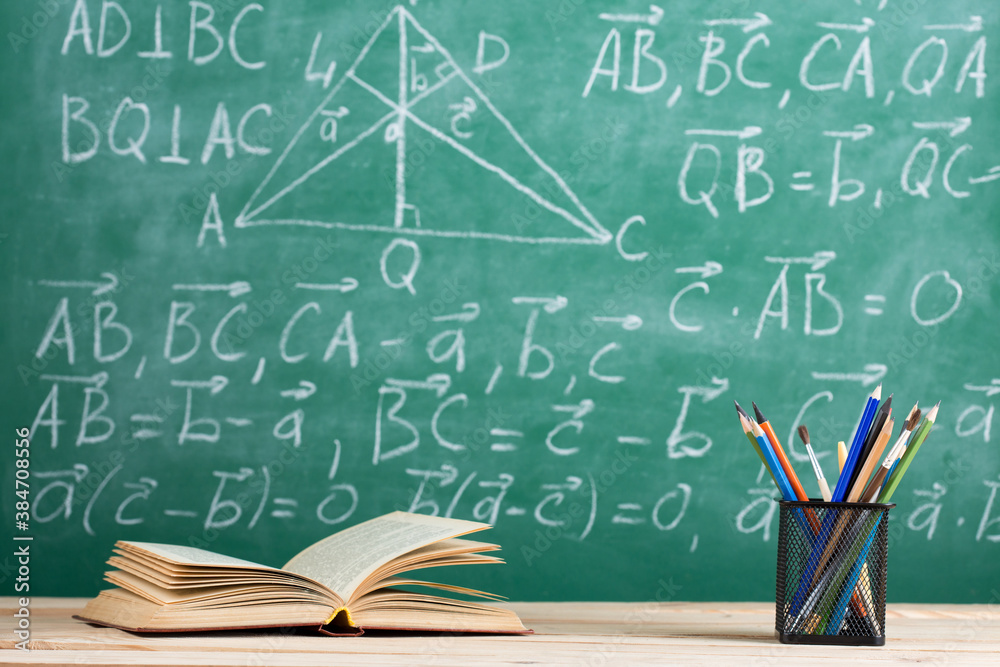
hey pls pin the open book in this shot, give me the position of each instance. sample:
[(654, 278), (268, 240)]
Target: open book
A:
[(342, 584)]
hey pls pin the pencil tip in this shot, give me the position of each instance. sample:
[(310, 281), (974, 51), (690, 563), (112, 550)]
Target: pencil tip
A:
[(757, 430), (760, 416), (932, 415), (877, 394)]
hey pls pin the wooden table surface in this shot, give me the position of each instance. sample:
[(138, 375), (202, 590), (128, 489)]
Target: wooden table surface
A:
[(573, 633)]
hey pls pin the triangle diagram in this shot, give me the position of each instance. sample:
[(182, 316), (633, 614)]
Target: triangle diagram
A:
[(406, 143)]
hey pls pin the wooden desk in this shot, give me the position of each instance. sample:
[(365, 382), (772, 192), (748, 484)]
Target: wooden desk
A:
[(679, 633)]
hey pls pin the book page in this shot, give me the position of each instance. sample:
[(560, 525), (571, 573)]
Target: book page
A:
[(344, 560), (189, 555)]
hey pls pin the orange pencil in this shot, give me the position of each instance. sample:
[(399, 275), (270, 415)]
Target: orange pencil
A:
[(765, 425)]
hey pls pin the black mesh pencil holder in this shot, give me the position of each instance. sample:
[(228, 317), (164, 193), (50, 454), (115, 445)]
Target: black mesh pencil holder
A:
[(831, 573)]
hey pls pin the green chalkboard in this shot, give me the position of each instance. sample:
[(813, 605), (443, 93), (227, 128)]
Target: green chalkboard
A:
[(271, 269)]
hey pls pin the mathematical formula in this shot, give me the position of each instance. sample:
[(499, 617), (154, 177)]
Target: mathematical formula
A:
[(210, 321)]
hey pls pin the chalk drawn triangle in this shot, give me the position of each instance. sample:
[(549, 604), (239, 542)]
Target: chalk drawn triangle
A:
[(440, 158), (349, 113)]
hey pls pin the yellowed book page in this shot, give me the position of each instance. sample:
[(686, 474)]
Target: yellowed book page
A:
[(451, 546), (223, 578), (122, 608), (405, 581), (396, 609), (397, 566), (343, 561), (221, 594), (190, 555)]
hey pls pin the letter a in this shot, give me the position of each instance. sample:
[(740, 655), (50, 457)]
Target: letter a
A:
[(616, 67), (781, 284), (213, 221), (79, 24)]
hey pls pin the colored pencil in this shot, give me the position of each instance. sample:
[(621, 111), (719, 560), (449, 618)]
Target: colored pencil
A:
[(873, 457), (815, 584), (855, 450), (895, 461), (883, 414), (840, 607), (892, 457), (748, 431), (786, 465), (824, 488), (911, 450), (772, 461)]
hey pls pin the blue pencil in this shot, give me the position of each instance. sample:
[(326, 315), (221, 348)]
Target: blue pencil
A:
[(787, 493), (857, 444)]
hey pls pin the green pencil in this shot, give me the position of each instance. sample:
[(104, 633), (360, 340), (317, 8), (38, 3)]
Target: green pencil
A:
[(911, 451)]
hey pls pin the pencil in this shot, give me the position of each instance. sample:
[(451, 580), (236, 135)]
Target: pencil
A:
[(891, 458), (884, 411), (772, 461), (871, 462), (857, 443), (840, 606), (745, 423), (895, 460), (824, 488), (911, 451), (841, 456), (786, 465)]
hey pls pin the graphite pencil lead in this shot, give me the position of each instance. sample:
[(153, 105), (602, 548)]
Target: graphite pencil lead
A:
[(760, 415), (739, 409), (804, 434)]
